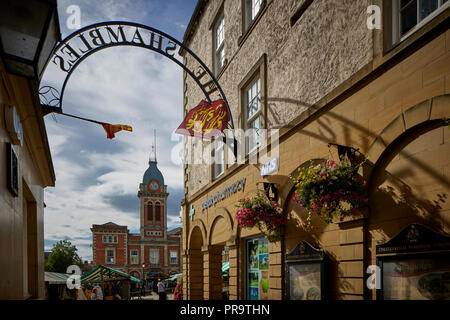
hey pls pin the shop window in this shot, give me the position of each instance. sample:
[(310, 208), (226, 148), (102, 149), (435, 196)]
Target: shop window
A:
[(414, 265), (173, 257), (218, 156), (110, 256), (305, 273), (257, 266), (410, 15), (219, 47), (134, 257)]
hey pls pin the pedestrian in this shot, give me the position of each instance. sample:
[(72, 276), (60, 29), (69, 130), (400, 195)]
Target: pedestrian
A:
[(161, 290), (150, 286), (178, 292), (98, 293)]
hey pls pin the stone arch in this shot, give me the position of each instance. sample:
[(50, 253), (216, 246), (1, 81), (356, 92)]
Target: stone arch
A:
[(405, 178), (197, 234), (436, 108), (221, 215)]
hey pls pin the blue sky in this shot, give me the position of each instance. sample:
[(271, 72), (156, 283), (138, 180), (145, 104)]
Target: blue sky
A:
[(97, 179)]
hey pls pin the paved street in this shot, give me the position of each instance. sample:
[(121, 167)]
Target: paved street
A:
[(153, 296)]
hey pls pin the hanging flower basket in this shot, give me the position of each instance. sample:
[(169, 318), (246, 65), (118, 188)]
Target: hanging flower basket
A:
[(331, 190), (266, 215)]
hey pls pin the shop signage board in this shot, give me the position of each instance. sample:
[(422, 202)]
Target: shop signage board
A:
[(305, 272), (414, 265), (225, 193), (269, 167)]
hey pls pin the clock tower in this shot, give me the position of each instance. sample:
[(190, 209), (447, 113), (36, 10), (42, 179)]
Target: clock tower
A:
[(153, 202)]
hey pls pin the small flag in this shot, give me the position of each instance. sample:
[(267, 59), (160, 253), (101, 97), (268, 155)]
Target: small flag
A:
[(111, 129), (205, 120)]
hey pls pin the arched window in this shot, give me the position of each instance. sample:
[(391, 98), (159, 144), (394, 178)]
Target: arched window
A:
[(149, 212), (158, 212)]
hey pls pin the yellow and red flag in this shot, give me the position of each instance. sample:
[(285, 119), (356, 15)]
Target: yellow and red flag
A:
[(205, 120), (111, 129)]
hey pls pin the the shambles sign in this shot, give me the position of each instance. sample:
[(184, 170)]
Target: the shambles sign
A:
[(75, 48), (225, 193)]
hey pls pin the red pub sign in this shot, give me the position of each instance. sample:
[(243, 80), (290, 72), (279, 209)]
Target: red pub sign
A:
[(205, 119)]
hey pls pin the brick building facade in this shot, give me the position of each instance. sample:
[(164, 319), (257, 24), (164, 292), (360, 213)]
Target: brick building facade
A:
[(155, 248), (321, 76)]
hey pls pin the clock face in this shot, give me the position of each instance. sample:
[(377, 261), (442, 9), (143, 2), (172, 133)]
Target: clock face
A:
[(153, 186)]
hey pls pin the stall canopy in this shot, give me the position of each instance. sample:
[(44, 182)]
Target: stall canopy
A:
[(106, 273), (175, 276), (56, 278), (225, 266)]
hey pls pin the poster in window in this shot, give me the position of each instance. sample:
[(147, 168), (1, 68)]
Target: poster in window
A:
[(416, 279), (304, 281), (258, 269)]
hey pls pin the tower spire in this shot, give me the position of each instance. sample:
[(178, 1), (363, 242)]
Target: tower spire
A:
[(153, 152)]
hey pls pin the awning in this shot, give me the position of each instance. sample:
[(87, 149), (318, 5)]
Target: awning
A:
[(225, 266), (175, 276), (106, 273), (56, 278)]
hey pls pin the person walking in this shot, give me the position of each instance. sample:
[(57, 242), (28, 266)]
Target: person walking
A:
[(178, 292), (161, 290)]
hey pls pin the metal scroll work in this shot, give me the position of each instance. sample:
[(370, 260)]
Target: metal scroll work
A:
[(75, 48)]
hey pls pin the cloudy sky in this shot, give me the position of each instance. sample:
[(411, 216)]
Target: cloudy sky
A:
[(97, 179)]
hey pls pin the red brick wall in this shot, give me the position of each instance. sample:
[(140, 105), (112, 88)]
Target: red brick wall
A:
[(100, 253)]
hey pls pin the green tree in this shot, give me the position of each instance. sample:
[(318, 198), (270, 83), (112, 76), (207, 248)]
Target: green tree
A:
[(62, 255)]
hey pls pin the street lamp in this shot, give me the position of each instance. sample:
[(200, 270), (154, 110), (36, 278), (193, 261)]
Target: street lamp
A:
[(143, 280), (29, 29)]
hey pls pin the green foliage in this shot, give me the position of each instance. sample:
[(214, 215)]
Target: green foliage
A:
[(62, 255)]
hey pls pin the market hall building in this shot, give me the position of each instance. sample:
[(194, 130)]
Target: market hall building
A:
[(154, 251), (332, 82)]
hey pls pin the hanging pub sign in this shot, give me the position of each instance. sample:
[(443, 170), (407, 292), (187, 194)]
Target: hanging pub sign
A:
[(205, 120), (414, 265), (305, 273)]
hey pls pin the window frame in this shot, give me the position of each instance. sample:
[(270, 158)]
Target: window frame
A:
[(259, 70), (158, 212), (110, 249), (395, 20), (150, 212), (132, 255), (248, 17), (256, 116), (176, 257), (217, 144), (219, 51), (153, 251)]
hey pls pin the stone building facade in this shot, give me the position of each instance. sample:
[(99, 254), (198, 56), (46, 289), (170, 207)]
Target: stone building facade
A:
[(323, 77), (26, 166), (153, 251)]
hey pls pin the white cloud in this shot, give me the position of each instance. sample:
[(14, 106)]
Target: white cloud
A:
[(118, 85)]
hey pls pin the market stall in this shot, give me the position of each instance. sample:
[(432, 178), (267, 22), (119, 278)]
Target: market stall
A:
[(114, 283)]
